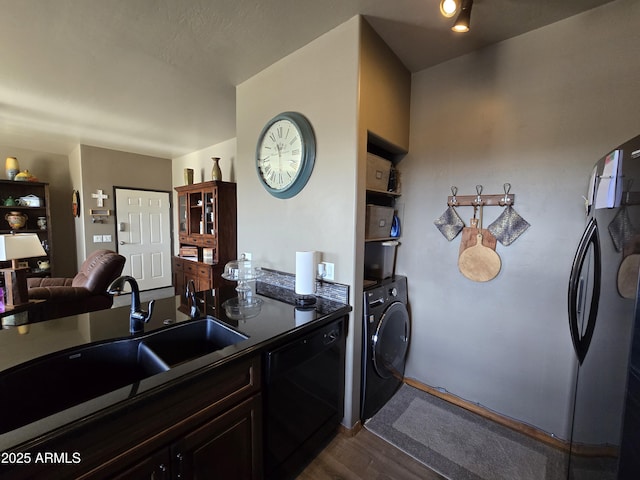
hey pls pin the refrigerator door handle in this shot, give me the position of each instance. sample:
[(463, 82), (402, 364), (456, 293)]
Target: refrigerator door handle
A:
[(580, 296), (590, 240)]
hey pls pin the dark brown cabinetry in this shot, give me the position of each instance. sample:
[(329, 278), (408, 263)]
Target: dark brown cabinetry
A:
[(207, 219), (224, 438), (178, 432), (186, 270), (207, 233), (35, 206), (154, 467), (228, 446)]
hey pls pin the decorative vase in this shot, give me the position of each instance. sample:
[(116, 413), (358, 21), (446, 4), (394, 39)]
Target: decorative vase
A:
[(188, 176), (216, 173), (11, 167), (16, 220), (42, 223), (24, 176)]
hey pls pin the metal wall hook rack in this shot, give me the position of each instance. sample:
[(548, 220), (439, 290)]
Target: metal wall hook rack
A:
[(477, 200)]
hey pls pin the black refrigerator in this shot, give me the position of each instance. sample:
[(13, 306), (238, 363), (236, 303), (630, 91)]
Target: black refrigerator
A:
[(604, 323)]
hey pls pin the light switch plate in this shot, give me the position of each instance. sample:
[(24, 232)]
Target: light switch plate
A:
[(97, 239)]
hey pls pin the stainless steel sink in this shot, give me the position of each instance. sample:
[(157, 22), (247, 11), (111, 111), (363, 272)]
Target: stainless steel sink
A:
[(184, 342), (50, 384), (53, 383)]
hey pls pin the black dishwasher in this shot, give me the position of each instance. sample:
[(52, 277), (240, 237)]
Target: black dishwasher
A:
[(304, 399)]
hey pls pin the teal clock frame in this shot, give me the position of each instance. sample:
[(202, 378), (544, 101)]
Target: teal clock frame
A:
[(308, 141)]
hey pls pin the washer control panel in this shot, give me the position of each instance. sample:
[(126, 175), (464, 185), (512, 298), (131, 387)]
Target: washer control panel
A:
[(382, 295)]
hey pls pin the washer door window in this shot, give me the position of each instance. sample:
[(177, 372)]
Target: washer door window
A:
[(391, 341)]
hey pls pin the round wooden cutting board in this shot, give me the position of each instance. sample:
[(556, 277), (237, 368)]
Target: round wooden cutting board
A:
[(479, 263), (628, 276)]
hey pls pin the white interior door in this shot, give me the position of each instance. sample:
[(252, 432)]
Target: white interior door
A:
[(144, 236)]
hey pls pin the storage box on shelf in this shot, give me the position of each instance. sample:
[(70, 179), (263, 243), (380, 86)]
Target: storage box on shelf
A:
[(378, 222), (380, 259), (30, 201), (378, 172), (383, 190), (207, 232)]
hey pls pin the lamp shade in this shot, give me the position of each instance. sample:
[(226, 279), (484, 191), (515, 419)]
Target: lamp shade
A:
[(20, 245)]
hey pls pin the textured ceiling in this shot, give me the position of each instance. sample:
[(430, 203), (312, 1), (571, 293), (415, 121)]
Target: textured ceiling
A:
[(158, 76)]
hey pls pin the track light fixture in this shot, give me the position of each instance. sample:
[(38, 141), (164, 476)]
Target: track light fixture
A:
[(463, 21)]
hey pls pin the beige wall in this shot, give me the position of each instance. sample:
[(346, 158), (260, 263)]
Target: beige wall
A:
[(319, 81), (536, 111), (53, 169), (385, 91), (346, 82), (383, 111), (104, 169)]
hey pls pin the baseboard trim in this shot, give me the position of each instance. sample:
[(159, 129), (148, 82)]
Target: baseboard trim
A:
[(350, 432), (493, 416)]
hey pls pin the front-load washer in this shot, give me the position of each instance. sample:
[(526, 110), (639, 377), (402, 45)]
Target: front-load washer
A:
[(386, 332)]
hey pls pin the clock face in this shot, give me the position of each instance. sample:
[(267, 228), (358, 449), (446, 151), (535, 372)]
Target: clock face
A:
[(285, 154)]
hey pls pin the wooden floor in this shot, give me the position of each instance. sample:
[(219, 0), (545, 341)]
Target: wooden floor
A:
[(365, 456)]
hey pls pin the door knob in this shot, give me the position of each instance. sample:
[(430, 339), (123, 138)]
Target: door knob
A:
[(121, 242)]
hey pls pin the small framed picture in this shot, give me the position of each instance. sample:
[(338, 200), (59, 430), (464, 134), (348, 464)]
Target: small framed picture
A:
[(23, 264)]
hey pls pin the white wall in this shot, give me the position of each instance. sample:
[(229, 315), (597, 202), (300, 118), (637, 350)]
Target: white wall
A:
[(535, 111), (200, 161), (319, 81), (75, 170)]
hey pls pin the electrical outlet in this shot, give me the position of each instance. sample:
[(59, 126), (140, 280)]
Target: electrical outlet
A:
[(328, 271), (97, 239), (106, 238)]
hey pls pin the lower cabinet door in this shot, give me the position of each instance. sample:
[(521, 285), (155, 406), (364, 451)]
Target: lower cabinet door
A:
[(155, 467), (227, 447)]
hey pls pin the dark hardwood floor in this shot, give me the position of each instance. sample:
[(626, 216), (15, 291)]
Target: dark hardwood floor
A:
[(365, 456)]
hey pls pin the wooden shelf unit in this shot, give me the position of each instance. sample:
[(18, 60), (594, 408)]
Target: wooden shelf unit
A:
[(207, 222), (379, 196), (16, 190)]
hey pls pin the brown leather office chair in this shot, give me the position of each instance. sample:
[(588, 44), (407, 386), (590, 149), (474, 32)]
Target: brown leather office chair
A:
[(86, 292)]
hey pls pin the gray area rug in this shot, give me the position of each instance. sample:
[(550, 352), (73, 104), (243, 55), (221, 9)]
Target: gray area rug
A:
[(461, 445)]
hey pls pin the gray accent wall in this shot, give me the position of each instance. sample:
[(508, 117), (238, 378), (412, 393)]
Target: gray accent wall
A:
[(536, 111)]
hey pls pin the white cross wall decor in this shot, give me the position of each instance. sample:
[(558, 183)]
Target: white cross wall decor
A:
[(100, 197)]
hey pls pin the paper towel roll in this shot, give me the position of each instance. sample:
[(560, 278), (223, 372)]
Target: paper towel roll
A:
[(305, 273)]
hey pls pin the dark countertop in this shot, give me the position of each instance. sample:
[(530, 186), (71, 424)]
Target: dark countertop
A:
[(279, 320)]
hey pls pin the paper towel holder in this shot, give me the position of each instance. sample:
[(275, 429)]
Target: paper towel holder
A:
[(305, 300), (305, 285)]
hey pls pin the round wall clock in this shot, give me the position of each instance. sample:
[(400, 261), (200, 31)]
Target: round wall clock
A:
[(285, 154)]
